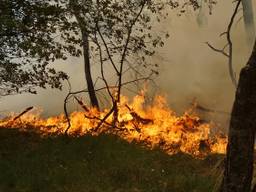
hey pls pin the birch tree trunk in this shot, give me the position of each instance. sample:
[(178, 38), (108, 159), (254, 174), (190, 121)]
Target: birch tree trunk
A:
[(249, 20)]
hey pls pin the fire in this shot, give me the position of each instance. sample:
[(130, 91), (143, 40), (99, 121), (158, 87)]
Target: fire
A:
[(154, 125)]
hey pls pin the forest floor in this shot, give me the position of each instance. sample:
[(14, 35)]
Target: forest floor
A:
[(31, 163)]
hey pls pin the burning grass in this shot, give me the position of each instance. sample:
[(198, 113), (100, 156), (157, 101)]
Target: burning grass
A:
[(155, 125), (36, 155)]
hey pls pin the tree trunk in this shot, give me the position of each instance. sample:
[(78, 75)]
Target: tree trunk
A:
[(249, 20), (87, 70), (239, 161), (201, 17), (76, 9)]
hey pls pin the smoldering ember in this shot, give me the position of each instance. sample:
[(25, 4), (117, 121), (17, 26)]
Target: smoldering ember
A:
[(127, 96)]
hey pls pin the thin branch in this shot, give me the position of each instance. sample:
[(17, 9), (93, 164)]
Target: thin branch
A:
[(85, 91), (229, 45), (126, 47), (65, 108), (102, 68), (106, 47), (218, 50), (231, 71)]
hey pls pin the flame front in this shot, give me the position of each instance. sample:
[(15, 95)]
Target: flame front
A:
[(154, 125)]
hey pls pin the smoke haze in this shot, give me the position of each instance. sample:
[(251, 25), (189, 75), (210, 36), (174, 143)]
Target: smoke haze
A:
[(188, 68)]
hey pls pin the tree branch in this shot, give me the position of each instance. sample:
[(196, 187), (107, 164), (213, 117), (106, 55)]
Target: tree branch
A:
[(229, 55)]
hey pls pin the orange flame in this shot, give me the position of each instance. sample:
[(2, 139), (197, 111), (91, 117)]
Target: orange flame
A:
[(154, 125)]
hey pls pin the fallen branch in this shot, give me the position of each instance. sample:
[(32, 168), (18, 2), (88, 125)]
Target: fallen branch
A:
[(70, 94), (138, 118), (200, 107), (80, 102), (197, 106), (22, 113)]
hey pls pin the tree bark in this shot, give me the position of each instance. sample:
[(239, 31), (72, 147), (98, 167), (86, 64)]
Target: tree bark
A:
[(75, 7), (249, 20), (239, 161), (87, 70)]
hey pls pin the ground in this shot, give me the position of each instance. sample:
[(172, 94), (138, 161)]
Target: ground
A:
[(31, 163)]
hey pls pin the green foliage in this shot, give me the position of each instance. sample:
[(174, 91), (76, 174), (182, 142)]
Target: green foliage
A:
[(34, 33), (31, 163), (28, 45)]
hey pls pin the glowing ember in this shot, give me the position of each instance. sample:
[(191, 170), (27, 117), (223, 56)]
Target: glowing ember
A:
[(153, 125)]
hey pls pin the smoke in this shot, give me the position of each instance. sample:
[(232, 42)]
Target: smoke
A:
[(188, 68), (194, 71)]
